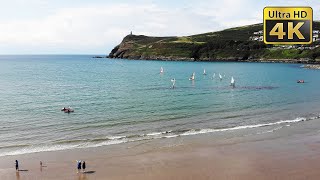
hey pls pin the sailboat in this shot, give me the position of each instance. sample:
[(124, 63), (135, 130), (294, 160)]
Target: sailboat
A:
[(192, 76), (214, 75), (204, 72), (220, 77), (173, 83), (161, 70), (233, 83)]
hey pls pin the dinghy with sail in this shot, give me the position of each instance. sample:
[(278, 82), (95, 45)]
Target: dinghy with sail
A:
[(233, 83), (161, 70), (173, 83), (192, 76)]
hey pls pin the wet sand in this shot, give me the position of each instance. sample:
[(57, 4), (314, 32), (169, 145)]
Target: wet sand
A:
[(289, 153)]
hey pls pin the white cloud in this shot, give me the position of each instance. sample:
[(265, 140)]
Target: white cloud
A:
[(96, 28)]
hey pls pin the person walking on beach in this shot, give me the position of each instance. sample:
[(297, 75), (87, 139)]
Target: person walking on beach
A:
[(79, 165), (84, 166), (17, 165)]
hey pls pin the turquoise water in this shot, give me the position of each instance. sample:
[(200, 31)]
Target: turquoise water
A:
[(118, 101)]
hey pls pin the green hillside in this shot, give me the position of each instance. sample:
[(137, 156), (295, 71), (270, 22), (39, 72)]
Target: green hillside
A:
[(230, 44)]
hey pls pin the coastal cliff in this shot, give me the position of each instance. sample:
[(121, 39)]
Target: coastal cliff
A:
[(234, 44)]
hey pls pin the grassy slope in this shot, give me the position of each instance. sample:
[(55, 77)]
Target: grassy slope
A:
[(229, 43)]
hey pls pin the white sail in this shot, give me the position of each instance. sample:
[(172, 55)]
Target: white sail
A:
[(204, 72), (214, 75), (232, 80), (161, 70), (233, 83), (173, 82), (192, 76), (220, 77)]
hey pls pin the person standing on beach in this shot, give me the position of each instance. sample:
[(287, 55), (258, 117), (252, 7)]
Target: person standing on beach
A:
[(84, 166), (79, 165), (17, 165), (41, 166)]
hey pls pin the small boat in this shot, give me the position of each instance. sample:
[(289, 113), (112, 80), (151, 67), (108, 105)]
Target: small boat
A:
[(173, 83), (220, 77), (300, 81), (214, 75), (67, 110), (233, 83), (161, 70), (204, 72), (192, 76)]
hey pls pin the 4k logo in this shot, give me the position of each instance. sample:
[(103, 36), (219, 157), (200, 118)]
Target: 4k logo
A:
[(287, 25)]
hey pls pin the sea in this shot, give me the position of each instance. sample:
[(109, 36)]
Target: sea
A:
[(121, 101)]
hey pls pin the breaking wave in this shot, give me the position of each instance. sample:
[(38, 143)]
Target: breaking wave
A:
[(112, 140)]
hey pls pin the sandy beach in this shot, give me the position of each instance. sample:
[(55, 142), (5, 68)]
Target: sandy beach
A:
[(292, 152)]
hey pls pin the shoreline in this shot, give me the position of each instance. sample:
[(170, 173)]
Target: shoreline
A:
[(291, 152), (171, 134), (287, 61)]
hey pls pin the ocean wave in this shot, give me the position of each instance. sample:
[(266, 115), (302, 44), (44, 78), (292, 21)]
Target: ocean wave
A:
[(158, 133), (32, 149), (14, 146), (203, 131), (112, 140), (115, 137)]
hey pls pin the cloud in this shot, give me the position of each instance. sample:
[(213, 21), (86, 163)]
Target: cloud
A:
[(98, 27)]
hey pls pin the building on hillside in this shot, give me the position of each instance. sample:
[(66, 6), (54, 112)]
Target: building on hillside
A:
[(257, 36), (315, 35), (258, 33)]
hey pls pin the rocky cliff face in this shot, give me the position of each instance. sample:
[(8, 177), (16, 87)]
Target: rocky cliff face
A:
[(121, 50)]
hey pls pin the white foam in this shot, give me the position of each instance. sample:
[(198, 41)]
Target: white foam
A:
[(154, 134), (115, 137), (123, 139), (158, 133), (29, 150), (171, 136), (111, 142), (203, 131)]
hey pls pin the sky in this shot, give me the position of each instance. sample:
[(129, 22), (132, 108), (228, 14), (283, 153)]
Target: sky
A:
[(96, 26)]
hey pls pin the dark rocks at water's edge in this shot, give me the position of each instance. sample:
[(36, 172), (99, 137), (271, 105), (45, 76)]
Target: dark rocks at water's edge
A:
[(311, 62), (312, 66), (99, 57)]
